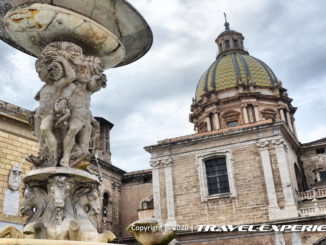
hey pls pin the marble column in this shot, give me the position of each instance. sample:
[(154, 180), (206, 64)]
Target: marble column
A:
[(289, 120), (245, 114), (208, 122), (296, 238), (269, 180), (282, 114), (217, 121), (279, 239), (156, 189), (285, 174), (256, 113), (169, 191), (295, 130)]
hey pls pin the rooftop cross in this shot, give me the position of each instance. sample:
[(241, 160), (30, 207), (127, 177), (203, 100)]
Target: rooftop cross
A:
[(226, 24)]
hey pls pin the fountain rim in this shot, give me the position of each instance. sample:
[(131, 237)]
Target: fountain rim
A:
[(44, 174), (147, 38)]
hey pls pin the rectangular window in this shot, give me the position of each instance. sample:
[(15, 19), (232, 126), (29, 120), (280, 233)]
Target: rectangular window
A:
[(217, 176), (322, 175), (232, 124), (227, 44), (320, 150), (235, 43)]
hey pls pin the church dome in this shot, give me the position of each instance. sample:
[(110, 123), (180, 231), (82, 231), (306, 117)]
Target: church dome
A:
[(233, 67), (238, 90)]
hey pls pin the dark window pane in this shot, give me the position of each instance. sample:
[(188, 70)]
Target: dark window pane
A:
[(235, 43), (232, 124), (227, 44), (322, 175), (320, 150), (217, 176)]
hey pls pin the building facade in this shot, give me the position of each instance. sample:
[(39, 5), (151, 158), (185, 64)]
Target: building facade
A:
[(244, 164)]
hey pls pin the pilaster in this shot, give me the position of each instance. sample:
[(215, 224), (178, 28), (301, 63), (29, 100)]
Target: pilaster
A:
[(273, 208), (245, 114), (287, 186)]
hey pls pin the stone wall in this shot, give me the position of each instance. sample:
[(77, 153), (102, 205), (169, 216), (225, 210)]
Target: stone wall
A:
[(137, 187), (16, 143), (309, 158)]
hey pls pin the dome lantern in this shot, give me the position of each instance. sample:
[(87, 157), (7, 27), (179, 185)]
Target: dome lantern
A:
[(229, 40)]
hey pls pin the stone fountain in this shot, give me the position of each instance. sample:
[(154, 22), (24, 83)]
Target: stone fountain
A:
[(74, 42)]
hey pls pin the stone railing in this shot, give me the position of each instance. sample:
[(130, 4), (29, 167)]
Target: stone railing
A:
[(313, 210), (311, 194), (146, 213)]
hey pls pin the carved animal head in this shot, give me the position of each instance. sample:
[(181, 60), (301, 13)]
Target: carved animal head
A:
[(93, 203), (59, 190), (34, 203), (87, 201)]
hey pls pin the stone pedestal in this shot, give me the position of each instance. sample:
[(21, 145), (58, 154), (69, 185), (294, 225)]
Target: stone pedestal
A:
[(62, 204)]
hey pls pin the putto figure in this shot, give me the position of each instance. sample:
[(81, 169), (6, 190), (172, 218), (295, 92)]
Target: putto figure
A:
[(63, 120)]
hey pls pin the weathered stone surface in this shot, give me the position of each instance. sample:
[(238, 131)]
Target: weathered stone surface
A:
[(15, 176), (117, 16), (40, 24), (11, 202), (62, 204)]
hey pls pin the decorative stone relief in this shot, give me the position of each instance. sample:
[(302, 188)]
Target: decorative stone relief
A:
[(15, 176), (280, 143), (269, 113), (263, 145), (231, 115), (63, 207), (161, 162)]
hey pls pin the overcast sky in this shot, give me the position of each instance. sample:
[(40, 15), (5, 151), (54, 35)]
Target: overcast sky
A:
[(150, 99)]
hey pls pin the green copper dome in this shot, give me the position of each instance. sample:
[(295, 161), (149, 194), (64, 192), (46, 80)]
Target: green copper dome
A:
[(234, 68)]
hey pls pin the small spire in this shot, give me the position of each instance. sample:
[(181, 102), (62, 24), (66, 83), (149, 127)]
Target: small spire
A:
[(226, 24)]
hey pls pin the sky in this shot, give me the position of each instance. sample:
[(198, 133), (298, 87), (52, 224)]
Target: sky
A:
[(149, 100)]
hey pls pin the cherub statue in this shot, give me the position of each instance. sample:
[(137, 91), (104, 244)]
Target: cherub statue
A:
[(58, 74), (90, 78)]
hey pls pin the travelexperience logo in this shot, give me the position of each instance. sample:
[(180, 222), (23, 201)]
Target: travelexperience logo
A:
[(231, 228), (261, 228)]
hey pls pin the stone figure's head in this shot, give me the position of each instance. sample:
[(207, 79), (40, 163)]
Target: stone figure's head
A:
[(47, 66), (15, 176), (59, 190), (92, 67), (93, 204)]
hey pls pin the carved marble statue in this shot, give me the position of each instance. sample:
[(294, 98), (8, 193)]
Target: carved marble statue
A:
[(15, 176), (57, 203), (63, 122)]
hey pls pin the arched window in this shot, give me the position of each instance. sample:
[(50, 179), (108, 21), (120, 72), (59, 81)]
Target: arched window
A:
[(105, 210), (321, 241)]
